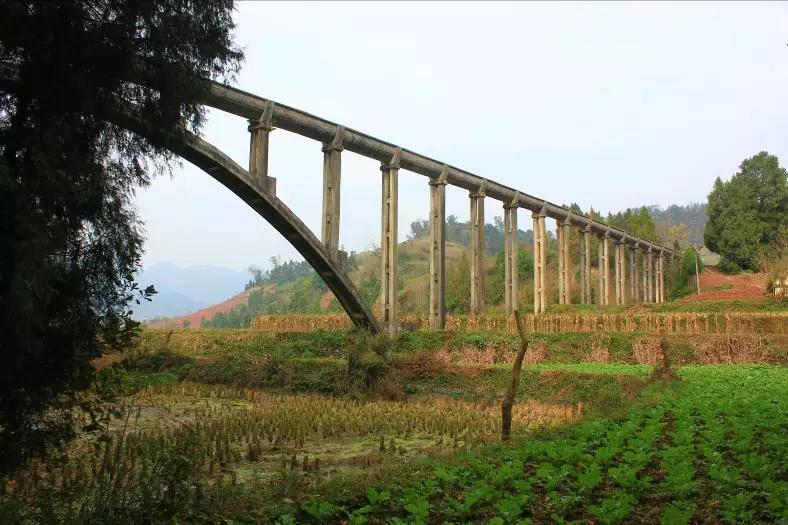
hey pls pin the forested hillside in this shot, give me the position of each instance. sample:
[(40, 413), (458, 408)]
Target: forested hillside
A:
[(692, 216), (292, 287)]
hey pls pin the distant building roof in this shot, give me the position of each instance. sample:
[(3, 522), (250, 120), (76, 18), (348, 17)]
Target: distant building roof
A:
[(708, 257)]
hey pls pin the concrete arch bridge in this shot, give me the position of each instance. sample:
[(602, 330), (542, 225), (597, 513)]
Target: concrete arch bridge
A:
[(634, 282)]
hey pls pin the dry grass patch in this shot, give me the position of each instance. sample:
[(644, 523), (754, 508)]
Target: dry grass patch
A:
[(731, 348), (599, 349), (646, 350)]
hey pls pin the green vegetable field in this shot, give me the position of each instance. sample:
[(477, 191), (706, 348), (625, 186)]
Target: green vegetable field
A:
[(711, 450)]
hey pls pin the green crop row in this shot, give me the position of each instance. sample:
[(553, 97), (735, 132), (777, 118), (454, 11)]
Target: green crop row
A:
[(711, 450)]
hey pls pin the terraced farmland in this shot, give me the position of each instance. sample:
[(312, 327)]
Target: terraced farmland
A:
[(239, 427)]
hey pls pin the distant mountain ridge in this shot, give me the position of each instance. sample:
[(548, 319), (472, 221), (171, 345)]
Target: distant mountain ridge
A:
[(165, 305), (183, 290)]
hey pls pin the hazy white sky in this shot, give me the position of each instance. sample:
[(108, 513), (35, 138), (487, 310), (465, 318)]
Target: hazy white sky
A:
[(607, 105)]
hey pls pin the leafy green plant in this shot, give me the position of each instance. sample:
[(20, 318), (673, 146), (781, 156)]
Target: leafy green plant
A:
[(320, 510)]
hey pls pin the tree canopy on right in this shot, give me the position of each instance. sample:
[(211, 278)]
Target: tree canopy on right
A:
[(746, 215)]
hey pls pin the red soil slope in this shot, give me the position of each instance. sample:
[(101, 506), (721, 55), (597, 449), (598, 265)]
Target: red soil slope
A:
[(325, 299), (718, 286), (206, 313)]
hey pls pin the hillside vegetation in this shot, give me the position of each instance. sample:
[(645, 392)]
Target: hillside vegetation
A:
[(292, 287)]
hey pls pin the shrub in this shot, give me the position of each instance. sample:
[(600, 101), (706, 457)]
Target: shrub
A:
[(164, 360), (421, 365), (685, 274), (422, 340), (367, 360), (227, 370), (728, 266), (275, 371)]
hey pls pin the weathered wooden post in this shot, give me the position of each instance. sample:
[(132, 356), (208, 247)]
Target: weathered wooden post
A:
[(438, 251)]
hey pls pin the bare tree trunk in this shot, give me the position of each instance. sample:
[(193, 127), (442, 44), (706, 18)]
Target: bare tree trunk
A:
[(511, 392)]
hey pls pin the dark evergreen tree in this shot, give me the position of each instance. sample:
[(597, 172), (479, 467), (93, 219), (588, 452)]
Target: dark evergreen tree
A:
[(71, 240), (748, 213)]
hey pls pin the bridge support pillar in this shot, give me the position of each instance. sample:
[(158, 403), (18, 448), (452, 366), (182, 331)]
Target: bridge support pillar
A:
[(540, 262), (511, 278), (477, 250), (621, 273), (564, 275), (633, 275), (582, 261), (260, 129), (332, 176), (644, 262), (438, 252), (600, 293), (388, 246), (657, 277), (670, 269), (661, 278), (585, 266), (649, 265), (604, 270)]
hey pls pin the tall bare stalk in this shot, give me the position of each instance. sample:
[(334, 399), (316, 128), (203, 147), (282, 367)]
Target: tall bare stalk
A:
[(511, 392)]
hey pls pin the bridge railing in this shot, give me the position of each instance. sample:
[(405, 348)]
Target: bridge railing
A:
[(240, 103)]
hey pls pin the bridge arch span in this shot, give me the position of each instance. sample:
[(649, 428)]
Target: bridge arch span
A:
[(250, 190), (225, 170)]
